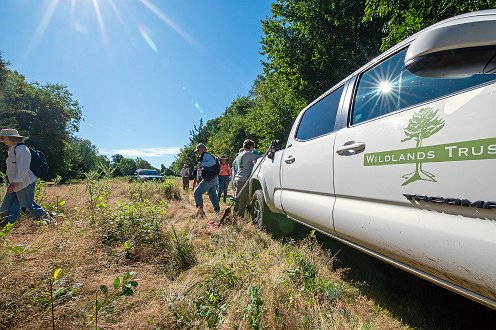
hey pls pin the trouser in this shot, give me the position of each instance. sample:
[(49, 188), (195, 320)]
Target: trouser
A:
[(14, 201), (185, 182), (240, 205), (223, 183), (210, 187)]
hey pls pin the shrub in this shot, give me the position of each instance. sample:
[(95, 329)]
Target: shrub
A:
[(135, 222), (180, 252), (171, 189)]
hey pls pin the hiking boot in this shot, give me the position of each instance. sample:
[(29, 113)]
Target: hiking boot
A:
[(46, 219), (200, 213)]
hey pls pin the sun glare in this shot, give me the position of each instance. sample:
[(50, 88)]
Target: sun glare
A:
[(385, 87), (102, 19)]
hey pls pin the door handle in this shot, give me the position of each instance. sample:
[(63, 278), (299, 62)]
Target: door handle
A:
[(290, 160), (350, 148)]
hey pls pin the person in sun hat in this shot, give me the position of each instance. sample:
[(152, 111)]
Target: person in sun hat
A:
[(224, 176), (21, 180)]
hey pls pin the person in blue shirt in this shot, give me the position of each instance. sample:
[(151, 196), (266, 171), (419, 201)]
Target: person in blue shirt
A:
[(207, 184)]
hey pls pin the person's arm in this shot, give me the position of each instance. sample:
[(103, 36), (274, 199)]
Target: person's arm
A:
[(208, 160)]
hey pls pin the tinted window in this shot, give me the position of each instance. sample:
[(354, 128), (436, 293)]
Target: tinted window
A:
[(389, 87), (149, 172), (320, 118)]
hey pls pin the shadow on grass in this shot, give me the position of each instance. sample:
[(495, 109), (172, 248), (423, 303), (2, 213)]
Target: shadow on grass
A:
[(416, 302)]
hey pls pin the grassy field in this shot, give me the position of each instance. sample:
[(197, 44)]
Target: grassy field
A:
[(133, 256)]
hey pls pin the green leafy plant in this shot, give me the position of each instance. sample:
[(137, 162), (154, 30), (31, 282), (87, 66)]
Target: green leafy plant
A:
[(128, 247), (135, 222), (6, 229), (124, 286), (253, 311), (171, 189), (211, 305), (55, 206), (180, 251), (98, 187), (40, 190)]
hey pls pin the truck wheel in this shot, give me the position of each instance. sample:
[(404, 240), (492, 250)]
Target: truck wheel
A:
[(259, 210)]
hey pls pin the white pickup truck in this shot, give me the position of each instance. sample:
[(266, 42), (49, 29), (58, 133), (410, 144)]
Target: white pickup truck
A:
[(399, 159)]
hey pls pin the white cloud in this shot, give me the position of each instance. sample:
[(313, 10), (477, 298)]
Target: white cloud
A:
[(145, 152)]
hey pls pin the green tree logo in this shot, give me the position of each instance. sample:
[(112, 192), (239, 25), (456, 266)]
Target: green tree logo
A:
[(422, 125)]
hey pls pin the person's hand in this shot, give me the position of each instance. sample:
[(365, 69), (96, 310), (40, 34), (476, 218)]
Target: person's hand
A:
[(11, 187)]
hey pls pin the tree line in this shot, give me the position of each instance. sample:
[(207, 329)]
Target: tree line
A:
[(308, 46)]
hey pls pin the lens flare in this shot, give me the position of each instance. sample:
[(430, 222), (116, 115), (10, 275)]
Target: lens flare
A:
[(385, 87), (147, 38)]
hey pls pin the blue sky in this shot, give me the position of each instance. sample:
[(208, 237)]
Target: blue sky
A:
[(145, 71)]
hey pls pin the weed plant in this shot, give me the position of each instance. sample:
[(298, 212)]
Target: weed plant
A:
[(98, 188), (171, 189), (136, 222), (124, 286), (40, 190), (153, 190), (180, 252)]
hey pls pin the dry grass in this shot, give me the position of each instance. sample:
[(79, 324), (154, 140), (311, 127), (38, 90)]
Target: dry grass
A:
[(239, 277)]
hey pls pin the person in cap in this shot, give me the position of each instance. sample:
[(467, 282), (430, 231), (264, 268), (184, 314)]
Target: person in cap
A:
[(207, 184), (21, 181), (244, 164), (185, 175), (224, 176)]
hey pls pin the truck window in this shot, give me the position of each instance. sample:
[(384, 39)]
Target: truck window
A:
[(389, 87), (320, 118)]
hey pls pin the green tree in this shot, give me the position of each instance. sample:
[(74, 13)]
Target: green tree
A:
[(81, 156), (166, 171), (313, 44), (404, 18), (422, 125), (141, 163), (127, 166), (46, 113)]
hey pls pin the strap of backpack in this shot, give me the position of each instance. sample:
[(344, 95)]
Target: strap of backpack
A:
[(19, 144)]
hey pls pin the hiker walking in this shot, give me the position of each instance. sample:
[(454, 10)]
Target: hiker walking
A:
[(21, 180), (244, 163), (209, 182), (185, 174)]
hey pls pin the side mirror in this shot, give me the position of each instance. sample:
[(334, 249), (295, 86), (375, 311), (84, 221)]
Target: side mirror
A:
[(461, 47)]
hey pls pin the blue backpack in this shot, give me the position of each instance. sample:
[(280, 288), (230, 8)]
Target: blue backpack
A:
[(38, 165)]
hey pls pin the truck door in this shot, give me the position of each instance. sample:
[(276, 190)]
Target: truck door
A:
[(420, 192), (306, 167)]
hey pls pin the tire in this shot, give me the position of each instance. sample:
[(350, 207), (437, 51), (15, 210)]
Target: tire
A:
[(259, 210)]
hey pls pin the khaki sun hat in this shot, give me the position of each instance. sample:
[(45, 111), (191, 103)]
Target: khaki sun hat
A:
[(10, 132)]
